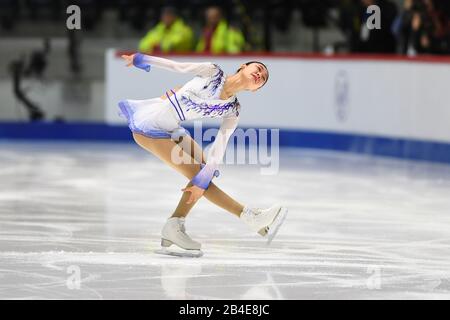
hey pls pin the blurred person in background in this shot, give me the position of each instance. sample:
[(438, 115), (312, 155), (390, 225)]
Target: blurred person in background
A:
[(424, 27), (349, 22), (171, 34), (218, 36)]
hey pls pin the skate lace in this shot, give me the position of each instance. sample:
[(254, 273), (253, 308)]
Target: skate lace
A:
[(257, 211), (182, 227), (254, 213), (182, 230)]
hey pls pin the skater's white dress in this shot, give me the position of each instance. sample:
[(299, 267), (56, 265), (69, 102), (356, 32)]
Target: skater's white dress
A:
[(198, 98)]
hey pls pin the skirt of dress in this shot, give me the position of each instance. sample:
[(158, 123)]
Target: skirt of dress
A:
[(152, 118)]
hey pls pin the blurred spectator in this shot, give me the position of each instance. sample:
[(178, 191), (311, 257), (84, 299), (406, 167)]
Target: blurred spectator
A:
[(219, 37), (349, 22), (423, 27), (171, 34), (353, 18)]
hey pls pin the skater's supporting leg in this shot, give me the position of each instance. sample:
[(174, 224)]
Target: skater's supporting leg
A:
[(183, 207), (163, 148)]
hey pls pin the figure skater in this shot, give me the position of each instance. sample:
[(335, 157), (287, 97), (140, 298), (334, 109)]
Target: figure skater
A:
[(155, 126)]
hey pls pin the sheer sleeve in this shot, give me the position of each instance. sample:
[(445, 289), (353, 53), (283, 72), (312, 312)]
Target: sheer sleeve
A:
[(145, 62), (216, 153)]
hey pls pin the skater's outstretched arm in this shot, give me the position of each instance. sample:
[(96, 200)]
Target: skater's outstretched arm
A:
[(145, 62)]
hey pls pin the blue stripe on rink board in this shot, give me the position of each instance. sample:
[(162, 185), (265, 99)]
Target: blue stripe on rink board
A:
[(382, 146)]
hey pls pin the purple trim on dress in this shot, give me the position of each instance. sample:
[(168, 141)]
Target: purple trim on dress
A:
[(128, 113), (175, 107), (175, 95), (216, 80), (211, 110)]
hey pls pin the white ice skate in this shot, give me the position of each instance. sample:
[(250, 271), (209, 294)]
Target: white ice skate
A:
[(176, 242), (265, 221)]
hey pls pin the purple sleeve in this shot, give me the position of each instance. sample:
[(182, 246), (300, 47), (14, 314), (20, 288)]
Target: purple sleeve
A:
[(139, 62), (203, 178), (216, 153)]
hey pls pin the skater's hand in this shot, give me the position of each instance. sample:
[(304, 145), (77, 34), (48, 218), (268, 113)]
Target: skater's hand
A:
[(196, 193), (128, 59)]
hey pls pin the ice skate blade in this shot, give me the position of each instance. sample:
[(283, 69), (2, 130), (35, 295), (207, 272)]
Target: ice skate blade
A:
[(276, 224), (180, 252)]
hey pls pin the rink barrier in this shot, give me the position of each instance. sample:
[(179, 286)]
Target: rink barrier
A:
[(363, 144), (422, 58)]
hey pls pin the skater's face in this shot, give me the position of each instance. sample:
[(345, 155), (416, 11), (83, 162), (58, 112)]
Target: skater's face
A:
[(254, 74)]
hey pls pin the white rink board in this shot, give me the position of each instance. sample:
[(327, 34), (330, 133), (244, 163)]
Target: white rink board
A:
[(384, 98)]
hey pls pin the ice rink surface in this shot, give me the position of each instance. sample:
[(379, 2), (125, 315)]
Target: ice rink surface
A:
[(358, 227)]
